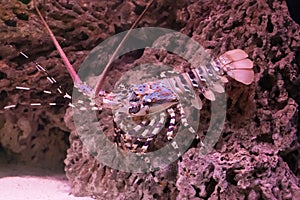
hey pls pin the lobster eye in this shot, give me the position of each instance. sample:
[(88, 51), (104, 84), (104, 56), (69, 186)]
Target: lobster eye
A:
[(134, 109)]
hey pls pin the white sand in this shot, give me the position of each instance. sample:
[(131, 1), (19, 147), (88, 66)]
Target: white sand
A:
[(36, 184), (35, 188)]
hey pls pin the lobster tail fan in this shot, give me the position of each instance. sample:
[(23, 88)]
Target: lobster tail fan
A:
[(217, 87), (243, 76), (241, 64), (223, 79), (241, 71), (209, 95), (233, 55), (236, 65)]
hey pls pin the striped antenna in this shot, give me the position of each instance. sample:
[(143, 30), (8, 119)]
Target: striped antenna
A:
[(66, 61), (50, 79), (77, 82), (108, 65)]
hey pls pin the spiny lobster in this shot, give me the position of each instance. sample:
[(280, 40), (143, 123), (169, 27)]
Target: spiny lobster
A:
[(143, 100)]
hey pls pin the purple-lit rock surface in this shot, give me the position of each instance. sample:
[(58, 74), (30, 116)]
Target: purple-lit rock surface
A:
[(257, 156)]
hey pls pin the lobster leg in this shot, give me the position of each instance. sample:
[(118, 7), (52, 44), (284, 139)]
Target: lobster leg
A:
[(184, 120), (172, 124), (147, 128)]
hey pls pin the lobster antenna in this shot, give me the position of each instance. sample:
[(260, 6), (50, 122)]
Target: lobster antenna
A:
[(72, 72), (108, 65)]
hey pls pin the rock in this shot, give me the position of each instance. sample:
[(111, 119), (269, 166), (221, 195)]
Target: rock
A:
[(257, 155)]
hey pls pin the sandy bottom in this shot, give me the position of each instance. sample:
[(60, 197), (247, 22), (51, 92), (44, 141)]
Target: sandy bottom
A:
[(25, 183)]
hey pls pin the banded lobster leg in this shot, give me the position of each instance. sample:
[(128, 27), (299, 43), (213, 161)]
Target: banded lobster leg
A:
[(154, 105), (138, 138)]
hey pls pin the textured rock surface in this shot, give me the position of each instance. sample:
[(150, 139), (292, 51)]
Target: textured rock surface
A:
[(257, 156), (260, 141), (38, 135)]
